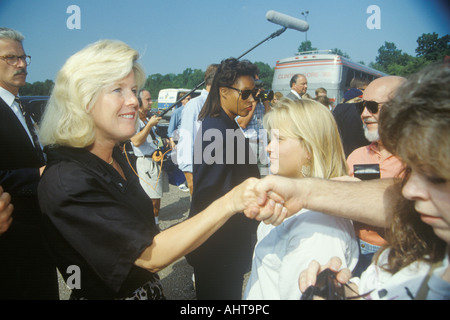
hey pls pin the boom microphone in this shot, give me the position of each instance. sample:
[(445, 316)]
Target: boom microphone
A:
[(287, 21)]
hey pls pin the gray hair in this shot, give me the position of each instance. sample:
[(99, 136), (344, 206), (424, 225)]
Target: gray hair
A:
[(7, 33), (295, 77)]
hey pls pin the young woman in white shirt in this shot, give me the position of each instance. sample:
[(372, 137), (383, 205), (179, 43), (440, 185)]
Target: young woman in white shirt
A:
[(305, 142)]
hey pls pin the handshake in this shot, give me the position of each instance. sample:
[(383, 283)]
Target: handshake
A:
[(271, 199), (274, 198)]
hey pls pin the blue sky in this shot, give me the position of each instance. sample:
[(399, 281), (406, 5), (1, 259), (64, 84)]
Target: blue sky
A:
[(173, 35)]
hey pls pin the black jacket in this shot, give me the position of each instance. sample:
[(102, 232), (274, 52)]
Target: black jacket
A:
[(96, 220), (26, 270), (233, 242), (350, 127)]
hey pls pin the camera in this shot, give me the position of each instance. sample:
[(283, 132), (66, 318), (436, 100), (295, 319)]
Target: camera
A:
[(366, 171), (327, 287), (151, 113), (264, 95)]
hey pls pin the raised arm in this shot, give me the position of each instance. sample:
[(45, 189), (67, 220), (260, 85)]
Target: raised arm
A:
[(369, 202), (179, 240)]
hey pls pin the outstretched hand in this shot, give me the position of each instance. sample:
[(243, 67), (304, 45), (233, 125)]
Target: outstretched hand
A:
[(276, 187), (247, 199)]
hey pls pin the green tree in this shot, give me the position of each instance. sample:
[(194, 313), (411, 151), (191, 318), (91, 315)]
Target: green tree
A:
[(190, 78), (429, 48), (306, 46), (340, 52), (393, 61), (388, 55), (433, 48), (265, 74), (37, 88)]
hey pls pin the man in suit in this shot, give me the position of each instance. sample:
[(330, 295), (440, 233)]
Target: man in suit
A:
[(299, 85), (26, 269)]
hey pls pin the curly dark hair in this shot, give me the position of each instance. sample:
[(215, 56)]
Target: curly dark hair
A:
[(226, 75), (415, 126)]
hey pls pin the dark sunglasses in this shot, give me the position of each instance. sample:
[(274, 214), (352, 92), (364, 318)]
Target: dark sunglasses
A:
[(372, 106), (245, 94)]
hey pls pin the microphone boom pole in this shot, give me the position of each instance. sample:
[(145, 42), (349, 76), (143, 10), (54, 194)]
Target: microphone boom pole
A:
[(273, 35)]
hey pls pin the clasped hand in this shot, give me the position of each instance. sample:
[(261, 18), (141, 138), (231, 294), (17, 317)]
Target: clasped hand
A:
[(259, 202)]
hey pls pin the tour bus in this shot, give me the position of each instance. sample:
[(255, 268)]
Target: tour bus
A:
[(323, 69)]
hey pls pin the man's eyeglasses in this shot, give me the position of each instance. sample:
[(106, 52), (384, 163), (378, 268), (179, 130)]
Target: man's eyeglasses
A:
[(245, 94), (372, 106), (13, 60)]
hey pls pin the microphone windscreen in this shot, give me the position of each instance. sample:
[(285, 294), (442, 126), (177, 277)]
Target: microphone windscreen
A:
[(287, 21)]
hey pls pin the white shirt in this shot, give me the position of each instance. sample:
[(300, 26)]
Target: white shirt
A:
[(188, 130), (149, 146), (283, 252), (402, 285), (296, 93)]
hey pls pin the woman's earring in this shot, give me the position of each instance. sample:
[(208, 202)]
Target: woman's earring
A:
[(306, 171)]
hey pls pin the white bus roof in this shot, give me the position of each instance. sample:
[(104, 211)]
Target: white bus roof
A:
[(323, 58), (322, 68)]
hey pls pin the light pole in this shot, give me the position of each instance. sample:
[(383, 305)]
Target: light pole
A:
[(305, 14)]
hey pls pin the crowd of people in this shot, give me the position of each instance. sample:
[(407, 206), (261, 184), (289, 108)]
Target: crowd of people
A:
[(284, 208)]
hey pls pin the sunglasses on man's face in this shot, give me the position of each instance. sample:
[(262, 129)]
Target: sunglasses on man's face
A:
[(372, 106), (245, 94)]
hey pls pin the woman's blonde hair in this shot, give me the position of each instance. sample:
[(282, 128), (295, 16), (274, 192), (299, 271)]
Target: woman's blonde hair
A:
[(316, 128), (66, 119)]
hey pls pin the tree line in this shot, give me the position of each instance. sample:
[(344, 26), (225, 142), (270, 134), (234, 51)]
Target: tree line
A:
[(190, 78), (394, 61), (390, 60)]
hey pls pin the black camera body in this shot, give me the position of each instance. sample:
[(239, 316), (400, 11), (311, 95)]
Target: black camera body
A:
[(327, 287), (366, 171), (151, 113), (264, 95)]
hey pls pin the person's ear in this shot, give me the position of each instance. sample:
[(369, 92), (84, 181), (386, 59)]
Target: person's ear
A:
[(223, 92)]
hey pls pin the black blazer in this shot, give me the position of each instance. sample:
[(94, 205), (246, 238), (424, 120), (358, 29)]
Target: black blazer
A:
[(26, 269), (19, 164), (96, 220), (350, 127), (232, 242), (17, 150)]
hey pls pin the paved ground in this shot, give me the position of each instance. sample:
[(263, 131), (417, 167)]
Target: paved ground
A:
[(176, 278)]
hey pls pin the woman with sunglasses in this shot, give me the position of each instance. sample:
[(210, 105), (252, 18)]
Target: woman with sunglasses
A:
[(220, 263), (414, 125)]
